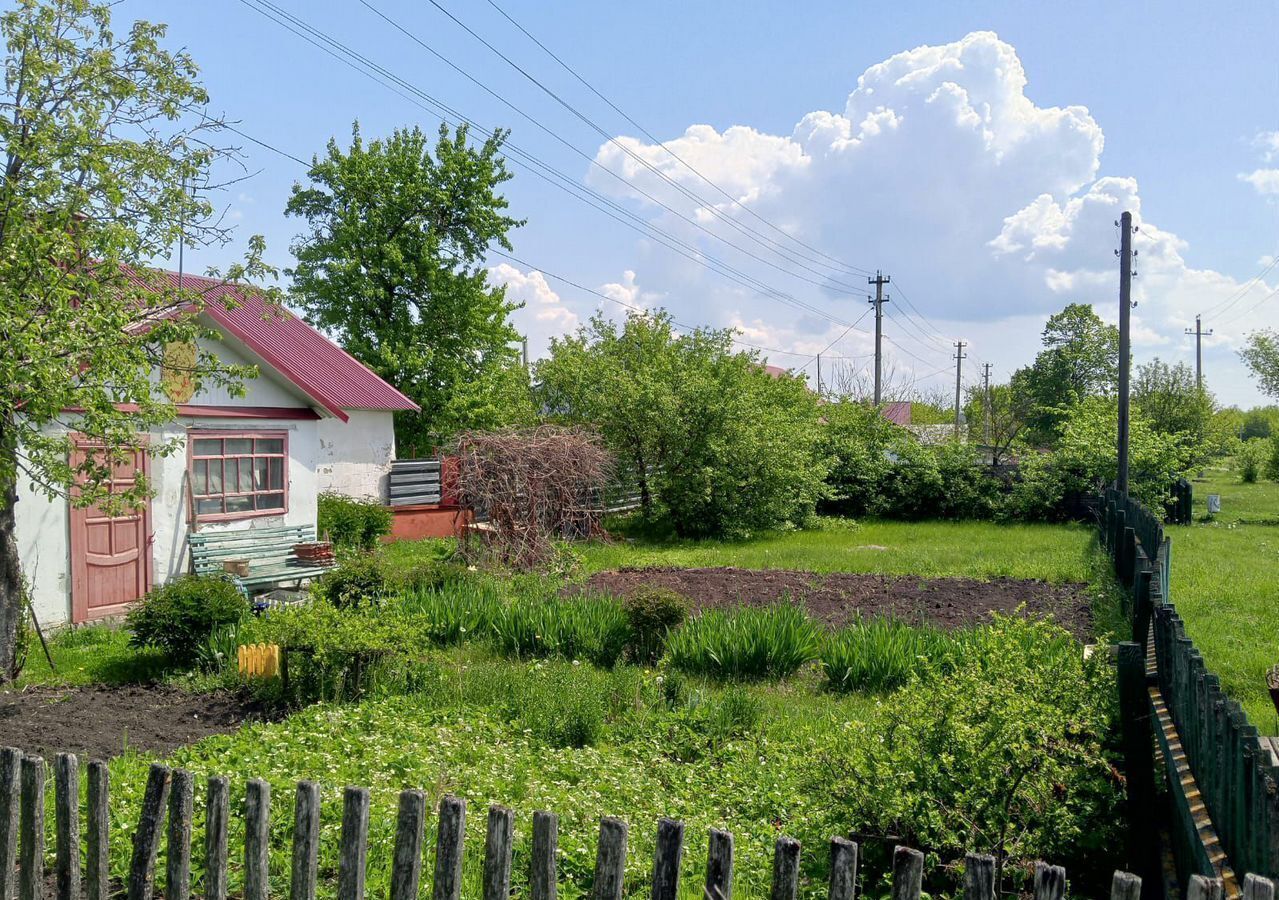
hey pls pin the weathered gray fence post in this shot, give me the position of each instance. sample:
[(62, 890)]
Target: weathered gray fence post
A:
[(97, 870), (979, 877), (908, 873), (667, 855), (1125, 886), (257, 839), (177, 883), (1201, 888), (1257, 888), (785, 869), (1139, 762), (610, 860), (544, 877), (10, 805), (1050, 882), (448, 849), (843, 869), (146, 838), (353, 850), (31, 882), (406, 866), (217, 811), (719, 866), (498, 845), (306, 841), (66, 817)]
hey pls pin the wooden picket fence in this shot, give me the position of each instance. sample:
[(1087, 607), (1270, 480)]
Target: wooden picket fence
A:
[(167, 814), (258, 660)]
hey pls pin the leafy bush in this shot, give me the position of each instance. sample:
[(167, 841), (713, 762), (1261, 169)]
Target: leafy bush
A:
[(1250, 460), (882, 654), (594, 629), (1009, 749), (352, 523), (747, 643), (358, 581), (180, 616), (1272, 458), (653, 613)]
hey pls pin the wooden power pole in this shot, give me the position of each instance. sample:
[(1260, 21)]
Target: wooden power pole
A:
[(1125, 340), (1199, 350), (879, 300), (959, 371)]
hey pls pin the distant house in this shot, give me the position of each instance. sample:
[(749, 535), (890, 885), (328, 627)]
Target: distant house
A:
[(899, 413), (314, 420)]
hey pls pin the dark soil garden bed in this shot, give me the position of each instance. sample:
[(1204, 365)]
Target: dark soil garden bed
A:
[(838, 598), (101, 721)]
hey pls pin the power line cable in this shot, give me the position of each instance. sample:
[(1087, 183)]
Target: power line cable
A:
[(379, 74)]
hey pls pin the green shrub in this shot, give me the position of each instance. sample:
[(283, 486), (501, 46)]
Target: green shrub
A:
[(704, 721), (179, 617), (881, 654), (358, 581), (746, 643), (1250, 460), (1012, 745), (593, 629), (653, 613), (352, 523), (1272, 458)]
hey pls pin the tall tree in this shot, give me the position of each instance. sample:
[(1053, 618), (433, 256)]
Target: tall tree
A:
[(392, 266), (108, 161), (1170, 399), (1080, 359), (1261, 354), (716, 443)]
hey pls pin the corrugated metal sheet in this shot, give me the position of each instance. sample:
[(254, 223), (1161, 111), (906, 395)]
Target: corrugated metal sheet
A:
[(319, 367)]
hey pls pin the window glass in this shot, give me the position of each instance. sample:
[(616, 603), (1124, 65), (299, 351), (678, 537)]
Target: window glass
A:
[(207, 447), (238, 475)]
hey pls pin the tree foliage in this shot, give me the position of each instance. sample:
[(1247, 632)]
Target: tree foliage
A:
[(716, 444), (1080, 359), (392, 265), (109, 160)]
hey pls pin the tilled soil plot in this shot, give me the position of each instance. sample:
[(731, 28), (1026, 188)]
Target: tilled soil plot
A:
[(839, 598), (100, 721)]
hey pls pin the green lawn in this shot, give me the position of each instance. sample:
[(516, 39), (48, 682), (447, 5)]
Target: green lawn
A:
[(1056, 553), (1225, 583)]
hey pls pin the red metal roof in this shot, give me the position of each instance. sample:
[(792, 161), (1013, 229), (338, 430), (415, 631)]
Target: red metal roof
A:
[(320, 368), (896, 411)]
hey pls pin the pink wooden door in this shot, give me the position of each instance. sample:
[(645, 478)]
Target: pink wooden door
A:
[(110, 555)]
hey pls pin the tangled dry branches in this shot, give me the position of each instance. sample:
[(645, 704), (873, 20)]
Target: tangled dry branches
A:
[(526, 488)]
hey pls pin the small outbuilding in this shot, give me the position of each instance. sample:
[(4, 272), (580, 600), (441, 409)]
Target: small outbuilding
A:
[(314, 420)]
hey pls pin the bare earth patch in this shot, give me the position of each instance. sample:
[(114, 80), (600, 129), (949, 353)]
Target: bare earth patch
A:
[(100, 721), (839, 598)]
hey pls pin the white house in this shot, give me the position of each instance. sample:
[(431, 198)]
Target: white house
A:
[(313, 420)]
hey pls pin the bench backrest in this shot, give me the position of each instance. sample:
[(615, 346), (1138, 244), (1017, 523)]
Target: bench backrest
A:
[(210, 549)]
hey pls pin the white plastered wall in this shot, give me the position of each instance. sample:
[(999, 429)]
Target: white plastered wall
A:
[(355, 457)]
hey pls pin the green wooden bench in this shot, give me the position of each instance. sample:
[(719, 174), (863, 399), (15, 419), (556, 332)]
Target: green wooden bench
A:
[(268, 550)]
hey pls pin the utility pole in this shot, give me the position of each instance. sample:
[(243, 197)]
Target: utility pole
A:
[(524, 352), (1125, 337), (879, 300), (1199, 351), (959, 371), (819, 376), (986, 403)]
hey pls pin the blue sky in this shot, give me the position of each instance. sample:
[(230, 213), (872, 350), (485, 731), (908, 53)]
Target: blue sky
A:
[(1178, 93)]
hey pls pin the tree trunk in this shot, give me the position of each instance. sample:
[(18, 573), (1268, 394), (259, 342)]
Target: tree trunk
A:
[(11, 590)]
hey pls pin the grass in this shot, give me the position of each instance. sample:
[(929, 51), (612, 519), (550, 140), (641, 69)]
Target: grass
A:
[(92, 654), (983, 550), (1225, 584)]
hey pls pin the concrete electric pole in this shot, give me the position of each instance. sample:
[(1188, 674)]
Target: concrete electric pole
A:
[(879, 300), (959, 372), (1199, 351), (986, 402), (1125, 340)]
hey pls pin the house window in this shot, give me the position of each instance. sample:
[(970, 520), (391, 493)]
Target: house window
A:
[(239, 474)]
